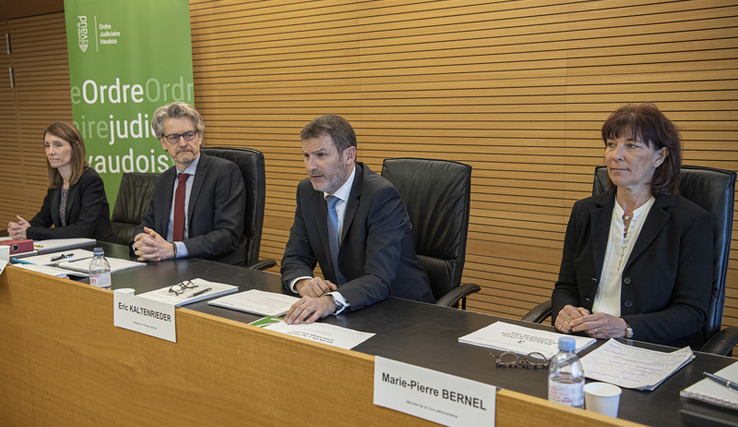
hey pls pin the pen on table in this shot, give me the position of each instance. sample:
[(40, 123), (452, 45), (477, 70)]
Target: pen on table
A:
[(202, 292), (720, 380), (38, 246), (19, 261)]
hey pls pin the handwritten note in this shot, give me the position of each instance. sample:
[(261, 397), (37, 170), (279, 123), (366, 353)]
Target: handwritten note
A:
[(633, 367)]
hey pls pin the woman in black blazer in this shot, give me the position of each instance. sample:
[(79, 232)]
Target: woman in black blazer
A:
[(75, 204), (637, 260)]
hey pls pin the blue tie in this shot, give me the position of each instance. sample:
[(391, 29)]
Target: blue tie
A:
[(333, 236)]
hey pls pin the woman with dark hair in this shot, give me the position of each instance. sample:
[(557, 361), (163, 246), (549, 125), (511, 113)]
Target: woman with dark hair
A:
[(75, 204), (637, 260)]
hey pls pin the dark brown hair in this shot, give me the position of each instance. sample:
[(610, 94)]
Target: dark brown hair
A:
[(337, 127), (646, 123), (78, 164)]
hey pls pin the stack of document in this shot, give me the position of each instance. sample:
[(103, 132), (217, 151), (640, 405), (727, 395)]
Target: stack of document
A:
[(633, 367), (319, 332), (55, 245), (257, 302), (75, 262), (519, 339), (202, 290), (710, 391)]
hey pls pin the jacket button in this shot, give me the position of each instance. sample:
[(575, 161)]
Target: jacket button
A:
[(626, 280), (628, 304)]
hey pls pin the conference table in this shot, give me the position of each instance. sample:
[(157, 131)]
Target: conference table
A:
[(64, 363)]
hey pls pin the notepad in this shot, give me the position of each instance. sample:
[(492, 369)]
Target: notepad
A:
[(257, 302), (709, 391)]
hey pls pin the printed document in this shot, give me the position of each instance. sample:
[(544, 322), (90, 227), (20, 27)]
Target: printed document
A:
[(519, 339), (202, 290), (318, 332), (257, 302)]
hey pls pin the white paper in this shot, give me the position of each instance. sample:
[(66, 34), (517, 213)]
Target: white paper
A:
[(257, 302), (51, 271), (519, 339), (318, 332), (431, 395), (3, 263), (633, 367), (54, 245), (143, 315), (116, 264), (190, 295)]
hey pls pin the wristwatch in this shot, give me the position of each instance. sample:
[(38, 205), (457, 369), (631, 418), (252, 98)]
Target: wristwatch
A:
[(338, 306), (628, 331)]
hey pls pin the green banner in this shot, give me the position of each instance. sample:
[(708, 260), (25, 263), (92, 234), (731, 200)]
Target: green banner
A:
[(126, 59)]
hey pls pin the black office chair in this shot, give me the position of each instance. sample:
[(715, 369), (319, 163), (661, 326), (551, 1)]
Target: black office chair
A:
[(134, 196), (714, 191), (251, 163), (437, 194)]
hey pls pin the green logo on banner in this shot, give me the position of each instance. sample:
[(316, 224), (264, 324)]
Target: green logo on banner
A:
[(126, 58)]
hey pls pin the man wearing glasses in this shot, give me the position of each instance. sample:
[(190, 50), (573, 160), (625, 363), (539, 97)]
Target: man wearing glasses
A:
[(197, 206)]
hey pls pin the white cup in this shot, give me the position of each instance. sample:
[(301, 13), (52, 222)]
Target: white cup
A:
[(602, 398), (5, 252), (129, 291)]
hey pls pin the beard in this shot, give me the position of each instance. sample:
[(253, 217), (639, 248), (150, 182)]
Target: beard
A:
[(330, 181)]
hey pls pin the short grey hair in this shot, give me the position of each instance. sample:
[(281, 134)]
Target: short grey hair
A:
[(176, 110)]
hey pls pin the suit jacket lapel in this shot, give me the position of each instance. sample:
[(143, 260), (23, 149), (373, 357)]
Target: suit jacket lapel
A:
[(200, 174), (352, 204), (55, 202), (655, 221), (163, 202), (600, 220)]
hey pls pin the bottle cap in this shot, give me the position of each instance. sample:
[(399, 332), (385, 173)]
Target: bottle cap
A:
[(97, 251), (567, 344)]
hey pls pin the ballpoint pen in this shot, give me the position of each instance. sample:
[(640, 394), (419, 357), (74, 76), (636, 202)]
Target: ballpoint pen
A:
[(201, 292), (720, 380)]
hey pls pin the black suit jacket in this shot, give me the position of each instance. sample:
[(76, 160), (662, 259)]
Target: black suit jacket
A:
[(215, 213), (667, 280), (377, 255), (87, 213)]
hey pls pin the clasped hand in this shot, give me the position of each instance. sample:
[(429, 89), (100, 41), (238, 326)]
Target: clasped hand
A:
[(17, 230), (314, 304), (150, 246), (598, 325)]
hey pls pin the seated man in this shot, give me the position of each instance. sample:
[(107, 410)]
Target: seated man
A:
[(197, 206), (352, 222)]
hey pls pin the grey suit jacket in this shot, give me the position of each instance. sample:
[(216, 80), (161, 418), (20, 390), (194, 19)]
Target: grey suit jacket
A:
[(377, 255), (215, 214), (666, 281)]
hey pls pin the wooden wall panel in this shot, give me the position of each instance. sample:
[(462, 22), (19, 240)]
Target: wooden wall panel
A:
[(40, 97), (518, 90)]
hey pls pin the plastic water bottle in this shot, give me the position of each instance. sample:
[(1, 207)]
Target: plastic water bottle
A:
[(566, 375), (100, 270)]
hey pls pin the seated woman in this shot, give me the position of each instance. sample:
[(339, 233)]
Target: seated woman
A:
[(75, 204), (637, 259)]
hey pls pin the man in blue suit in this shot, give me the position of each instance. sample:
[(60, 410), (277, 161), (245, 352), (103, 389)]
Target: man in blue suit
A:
[(197, 206), (352, 222)]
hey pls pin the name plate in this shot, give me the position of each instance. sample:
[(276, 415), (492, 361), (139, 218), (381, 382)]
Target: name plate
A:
[(145, 316), (432, 395)]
